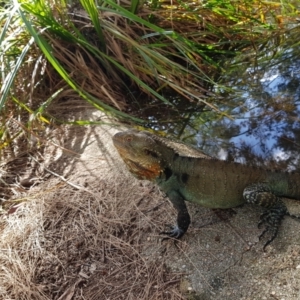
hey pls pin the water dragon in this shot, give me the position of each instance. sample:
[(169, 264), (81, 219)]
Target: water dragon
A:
[(187, 174)]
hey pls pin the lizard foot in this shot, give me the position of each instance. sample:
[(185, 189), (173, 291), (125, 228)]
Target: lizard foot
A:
[(293, 216), (272, 218), (175, 232)]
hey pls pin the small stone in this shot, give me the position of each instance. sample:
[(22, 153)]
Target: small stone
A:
[(93, 267)]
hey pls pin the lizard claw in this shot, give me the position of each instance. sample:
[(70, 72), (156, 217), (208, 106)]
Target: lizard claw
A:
[(176, 232), (272, 219)]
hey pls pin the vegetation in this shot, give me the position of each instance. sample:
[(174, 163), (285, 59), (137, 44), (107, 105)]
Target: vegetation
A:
[(126, 59)]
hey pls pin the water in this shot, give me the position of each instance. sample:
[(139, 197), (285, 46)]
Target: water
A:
[(261, 113)]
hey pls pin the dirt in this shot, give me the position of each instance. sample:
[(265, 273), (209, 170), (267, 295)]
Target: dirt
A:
[(86, 229)]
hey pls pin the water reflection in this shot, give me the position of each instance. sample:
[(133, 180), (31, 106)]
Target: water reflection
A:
[(266, 114), (262, 124)]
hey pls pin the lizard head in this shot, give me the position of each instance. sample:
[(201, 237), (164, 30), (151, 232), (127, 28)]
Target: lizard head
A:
[(139, 152)]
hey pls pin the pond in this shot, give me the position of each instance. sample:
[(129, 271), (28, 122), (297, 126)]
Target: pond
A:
[(259, 123)]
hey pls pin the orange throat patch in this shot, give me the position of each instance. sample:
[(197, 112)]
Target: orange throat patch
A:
[(150, 172)]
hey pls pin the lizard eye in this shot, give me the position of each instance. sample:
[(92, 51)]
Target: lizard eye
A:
[(128, 139), (151, 153)]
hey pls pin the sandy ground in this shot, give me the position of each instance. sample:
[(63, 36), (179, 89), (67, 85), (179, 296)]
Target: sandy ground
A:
[(86, 229)]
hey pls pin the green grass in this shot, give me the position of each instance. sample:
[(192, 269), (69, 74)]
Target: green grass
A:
[(113, 55)]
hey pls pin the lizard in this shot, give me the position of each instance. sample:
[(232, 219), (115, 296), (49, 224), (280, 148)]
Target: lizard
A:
[(184, 173)]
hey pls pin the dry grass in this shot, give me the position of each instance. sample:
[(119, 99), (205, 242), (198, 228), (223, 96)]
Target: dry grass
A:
[(152, 58), (62, 242)]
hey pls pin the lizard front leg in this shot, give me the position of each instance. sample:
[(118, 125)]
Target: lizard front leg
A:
[(275, 209), (183, 217)]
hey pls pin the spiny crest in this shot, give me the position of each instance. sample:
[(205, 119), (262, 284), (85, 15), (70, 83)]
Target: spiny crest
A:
[(179, 148)]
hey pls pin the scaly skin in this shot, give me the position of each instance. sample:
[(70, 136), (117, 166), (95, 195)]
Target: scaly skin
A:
[(186, 174)]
